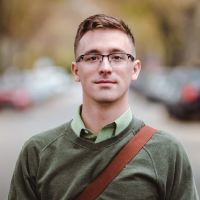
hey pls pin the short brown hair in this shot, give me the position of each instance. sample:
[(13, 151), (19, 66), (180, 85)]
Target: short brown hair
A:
[(101, 21)]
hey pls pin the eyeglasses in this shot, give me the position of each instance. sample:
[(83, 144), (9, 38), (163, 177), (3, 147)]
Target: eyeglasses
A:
[(115, 59)]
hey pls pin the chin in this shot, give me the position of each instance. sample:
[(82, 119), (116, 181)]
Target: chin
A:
[(106, 100)]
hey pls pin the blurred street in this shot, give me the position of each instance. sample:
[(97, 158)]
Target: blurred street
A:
[(17, 126)]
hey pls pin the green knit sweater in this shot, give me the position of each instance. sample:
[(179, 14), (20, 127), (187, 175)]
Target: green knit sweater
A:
[(58, 165)]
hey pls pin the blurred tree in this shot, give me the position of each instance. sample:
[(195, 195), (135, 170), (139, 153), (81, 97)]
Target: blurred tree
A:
[(166, 27), (179, 25), (19, 19)]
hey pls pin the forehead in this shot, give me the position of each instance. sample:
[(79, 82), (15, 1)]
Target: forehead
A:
[(105, 41)]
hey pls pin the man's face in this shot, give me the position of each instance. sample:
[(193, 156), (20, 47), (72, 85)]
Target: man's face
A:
[(105, 84)]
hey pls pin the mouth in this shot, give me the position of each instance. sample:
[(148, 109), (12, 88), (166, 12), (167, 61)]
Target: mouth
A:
[(105, 82)]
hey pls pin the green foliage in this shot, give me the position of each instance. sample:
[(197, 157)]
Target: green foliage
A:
[(32, 29)]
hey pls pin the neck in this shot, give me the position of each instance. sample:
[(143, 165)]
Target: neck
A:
[(96, 115)]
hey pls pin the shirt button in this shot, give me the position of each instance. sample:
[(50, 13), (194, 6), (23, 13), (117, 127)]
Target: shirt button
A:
[(86, 132)]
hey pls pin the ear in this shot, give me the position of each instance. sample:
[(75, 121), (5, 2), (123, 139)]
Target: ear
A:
[(136, 70), (75, 71)]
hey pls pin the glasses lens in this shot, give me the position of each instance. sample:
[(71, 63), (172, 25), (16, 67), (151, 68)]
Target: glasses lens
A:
[(92, 60), (118, 59)]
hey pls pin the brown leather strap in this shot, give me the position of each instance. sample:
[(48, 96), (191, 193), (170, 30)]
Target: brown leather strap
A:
[(117, 164)]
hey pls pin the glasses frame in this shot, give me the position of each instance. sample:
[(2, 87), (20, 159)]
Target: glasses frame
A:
[(82, 56)]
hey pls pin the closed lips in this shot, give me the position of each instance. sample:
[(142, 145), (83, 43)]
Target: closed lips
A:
[(105, 81)]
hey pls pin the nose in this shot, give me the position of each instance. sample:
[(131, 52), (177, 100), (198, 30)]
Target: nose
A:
[(105, 66)]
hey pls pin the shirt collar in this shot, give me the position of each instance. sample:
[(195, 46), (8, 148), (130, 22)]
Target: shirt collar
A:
[(121, 123), (77, 123)]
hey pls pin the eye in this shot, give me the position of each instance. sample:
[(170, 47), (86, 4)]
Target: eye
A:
[(91, 58), (117, 57)]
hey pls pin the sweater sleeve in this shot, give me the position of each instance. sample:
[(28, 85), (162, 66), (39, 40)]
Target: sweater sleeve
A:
[(23, 183), (172, 166), (183, 185)]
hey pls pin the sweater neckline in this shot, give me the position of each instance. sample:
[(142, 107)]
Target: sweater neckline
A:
[(129, 132)]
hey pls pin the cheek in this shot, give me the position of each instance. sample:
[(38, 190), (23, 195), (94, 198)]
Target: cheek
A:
[(126, 74), (86, 75), (126, 78)]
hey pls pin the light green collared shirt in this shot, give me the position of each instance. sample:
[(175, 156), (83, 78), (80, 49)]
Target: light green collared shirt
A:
[(108, 131)]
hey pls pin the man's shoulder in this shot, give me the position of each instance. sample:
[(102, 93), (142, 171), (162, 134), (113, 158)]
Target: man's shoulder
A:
[(41, 140), (166, 137), (166, 144)]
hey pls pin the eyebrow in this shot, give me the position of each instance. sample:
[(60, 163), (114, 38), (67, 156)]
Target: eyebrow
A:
[(92, 51), (115, 50)]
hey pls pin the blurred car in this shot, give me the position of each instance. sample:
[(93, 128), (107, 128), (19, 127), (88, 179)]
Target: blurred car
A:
[(13, 95), (178, 89), (21, 89), (44, 83), (184, 102), (157, 87), (17, 98), (154, 86)]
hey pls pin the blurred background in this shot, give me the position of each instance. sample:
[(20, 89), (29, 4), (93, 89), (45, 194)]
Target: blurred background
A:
[(37, 91)]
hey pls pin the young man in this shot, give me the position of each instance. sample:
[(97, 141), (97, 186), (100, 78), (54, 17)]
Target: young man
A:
[(60, 163)]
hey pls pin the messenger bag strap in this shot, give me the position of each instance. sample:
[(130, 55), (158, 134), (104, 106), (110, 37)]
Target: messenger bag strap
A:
[(95, 188)]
